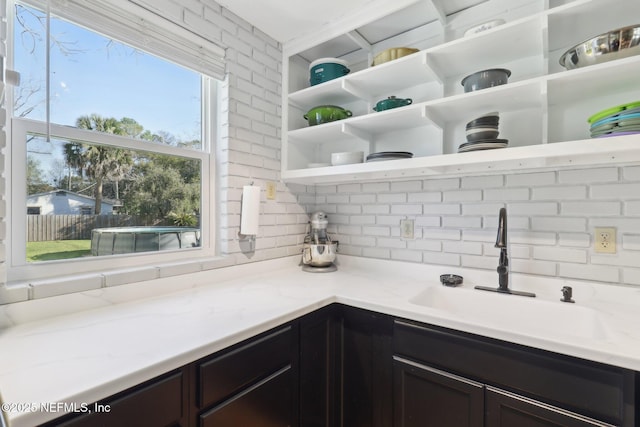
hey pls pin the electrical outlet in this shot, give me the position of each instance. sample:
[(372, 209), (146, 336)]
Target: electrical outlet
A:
[(406, 228), (605, 240), (271, 190)]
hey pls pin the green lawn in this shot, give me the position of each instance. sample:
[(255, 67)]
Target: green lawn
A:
[(57, 249)]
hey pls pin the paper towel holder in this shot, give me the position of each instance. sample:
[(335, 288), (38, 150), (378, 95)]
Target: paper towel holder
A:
[(249, 215)]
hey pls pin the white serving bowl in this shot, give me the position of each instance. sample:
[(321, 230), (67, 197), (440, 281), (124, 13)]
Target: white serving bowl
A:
[(347, 158)]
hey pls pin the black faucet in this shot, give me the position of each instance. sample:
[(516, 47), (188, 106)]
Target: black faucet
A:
[(503, 261)]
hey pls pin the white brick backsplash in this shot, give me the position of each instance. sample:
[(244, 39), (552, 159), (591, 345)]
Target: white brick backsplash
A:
[(532, 208), (631, 242), (425, 197), (393, 220), (406, 255), (391, 243), (599, 273), (591, 208), (461, 222), (350, 229), (376, 209), (507, 194), (516, 251), (541, 268), (459, 247), (338, 198), (621, 258), (631, 276), (531, 179), (578, 240), (442, 209), (363, 241), (583, 176), (441, 184), (482, 181), (532, 238), (406, 209), (392, 198), (462, 196), (374, 252), (486, 263), (615, 191), (428, 221), (621, 223), (376, 231), (406, 186), (560, 254), (481, 208), (362, 198), (479, 235), (441, 234), (362, 219), (558, 224), (349, 188), (425, 245), (376, 187), (574, 192), (631, 173), (632, 208), (441, 258)]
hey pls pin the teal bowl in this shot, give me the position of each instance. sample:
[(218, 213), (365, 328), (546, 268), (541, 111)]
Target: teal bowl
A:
[(392, 102), (325, 69)]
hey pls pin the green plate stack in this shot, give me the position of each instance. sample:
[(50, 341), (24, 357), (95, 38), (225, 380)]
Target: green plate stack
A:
[(620, 120)]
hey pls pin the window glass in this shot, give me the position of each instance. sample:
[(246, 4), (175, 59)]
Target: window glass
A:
[(122, 170), (93, 74)]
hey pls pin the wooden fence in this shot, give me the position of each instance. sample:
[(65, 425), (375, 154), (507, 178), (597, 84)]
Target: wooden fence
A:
[(76, 227)]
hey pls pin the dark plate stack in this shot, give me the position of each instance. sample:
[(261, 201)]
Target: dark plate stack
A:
[(389, 155), (620, 120), (482, 134)]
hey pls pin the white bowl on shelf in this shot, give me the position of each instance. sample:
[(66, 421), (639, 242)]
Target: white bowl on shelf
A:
[(347, 158)]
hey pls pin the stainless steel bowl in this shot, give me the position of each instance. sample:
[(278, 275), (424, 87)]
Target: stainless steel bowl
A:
[(609, 46), (320, 255)]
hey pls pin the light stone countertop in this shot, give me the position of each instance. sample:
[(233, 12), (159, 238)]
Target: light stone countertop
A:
[(81, 348)]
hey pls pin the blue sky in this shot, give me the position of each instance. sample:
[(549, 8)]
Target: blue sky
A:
[(114, 81)]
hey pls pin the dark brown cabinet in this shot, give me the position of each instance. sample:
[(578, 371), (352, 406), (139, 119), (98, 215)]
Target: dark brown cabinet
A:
[(506, 409), (429, 397), (346, 371), (162, 401), (450, 372)]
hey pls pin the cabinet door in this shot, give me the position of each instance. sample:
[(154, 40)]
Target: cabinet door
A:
[(366, 368), (505, 409), (424, 396), (269, 403)]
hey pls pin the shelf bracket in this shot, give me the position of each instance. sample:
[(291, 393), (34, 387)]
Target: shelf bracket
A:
[(349, 87), (442, 18), (359, 40), (349, 129)]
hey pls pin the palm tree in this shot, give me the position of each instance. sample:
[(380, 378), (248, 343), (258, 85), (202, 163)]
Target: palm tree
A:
[(104, 163)]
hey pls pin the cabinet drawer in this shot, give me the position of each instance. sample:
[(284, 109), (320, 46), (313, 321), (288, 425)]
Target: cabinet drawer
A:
[(245, 364), (268, 403), (598, 391), (160, 402)]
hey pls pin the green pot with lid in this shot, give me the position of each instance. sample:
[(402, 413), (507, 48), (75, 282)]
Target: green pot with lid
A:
[(326, 113), (391, 102)]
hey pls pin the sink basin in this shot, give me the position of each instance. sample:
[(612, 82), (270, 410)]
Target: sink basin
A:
[(524, 315)]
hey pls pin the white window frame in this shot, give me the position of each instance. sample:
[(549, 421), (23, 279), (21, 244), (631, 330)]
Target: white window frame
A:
[(19, 270)]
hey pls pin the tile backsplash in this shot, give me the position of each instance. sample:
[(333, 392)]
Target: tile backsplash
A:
[(551, 221)]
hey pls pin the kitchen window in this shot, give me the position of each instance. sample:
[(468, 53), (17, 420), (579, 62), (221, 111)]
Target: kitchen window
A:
[(117, 115)]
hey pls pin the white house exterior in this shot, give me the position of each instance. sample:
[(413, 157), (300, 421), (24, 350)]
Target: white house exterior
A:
[(63, 202)]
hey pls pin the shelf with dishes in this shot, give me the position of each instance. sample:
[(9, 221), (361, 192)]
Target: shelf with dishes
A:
[(542, 105), (617, 149)]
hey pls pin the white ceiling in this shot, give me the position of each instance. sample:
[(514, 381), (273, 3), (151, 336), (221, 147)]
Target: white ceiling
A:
[(287, 19)]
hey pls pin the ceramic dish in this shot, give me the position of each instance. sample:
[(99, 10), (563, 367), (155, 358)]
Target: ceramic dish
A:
[(346, 158), (389, 155), (484, 27), (613, 111), (485, 79)]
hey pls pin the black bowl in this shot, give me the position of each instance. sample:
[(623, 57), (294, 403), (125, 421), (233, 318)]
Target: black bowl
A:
[(484, 122)]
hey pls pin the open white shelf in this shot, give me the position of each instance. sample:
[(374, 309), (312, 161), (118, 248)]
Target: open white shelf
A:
[(543, 108)]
